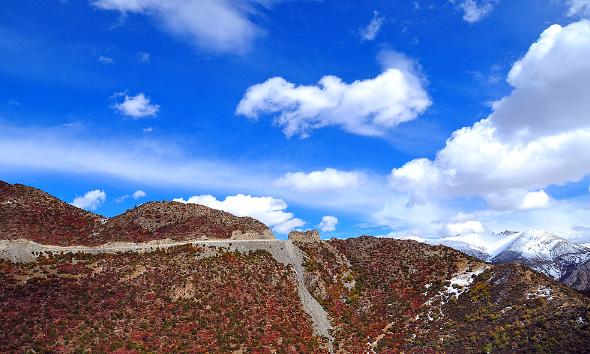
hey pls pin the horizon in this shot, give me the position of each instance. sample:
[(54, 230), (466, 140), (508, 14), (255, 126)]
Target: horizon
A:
[(421, 118)]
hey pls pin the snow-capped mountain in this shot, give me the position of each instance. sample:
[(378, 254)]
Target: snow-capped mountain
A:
[(538, 249)]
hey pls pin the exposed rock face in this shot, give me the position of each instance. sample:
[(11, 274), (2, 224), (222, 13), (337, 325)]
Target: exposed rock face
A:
[(265, 235), (29, 213), (304, 236), (579, 279)]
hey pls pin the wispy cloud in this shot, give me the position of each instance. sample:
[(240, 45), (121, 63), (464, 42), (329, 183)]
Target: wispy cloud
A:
[(106, 60), (143, 57), (476, 10), (138, 194), (219, 26), (370, 31), (578, 8)]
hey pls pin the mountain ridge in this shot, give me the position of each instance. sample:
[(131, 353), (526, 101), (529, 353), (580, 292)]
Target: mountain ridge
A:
[(31, 213)]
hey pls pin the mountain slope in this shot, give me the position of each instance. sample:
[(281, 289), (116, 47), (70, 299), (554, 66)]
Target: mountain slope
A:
[(29, 213), (545, 252), (181, 299), (579, 278), (178, 221), (382, 295), (389, 295)]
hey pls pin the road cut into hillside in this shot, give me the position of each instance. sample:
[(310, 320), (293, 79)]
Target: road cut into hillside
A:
[(283, 251)]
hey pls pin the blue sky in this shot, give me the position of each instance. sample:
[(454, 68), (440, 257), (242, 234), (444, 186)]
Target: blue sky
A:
[(171, 98)]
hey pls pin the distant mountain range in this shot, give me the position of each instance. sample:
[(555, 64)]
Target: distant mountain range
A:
[(545, 252)]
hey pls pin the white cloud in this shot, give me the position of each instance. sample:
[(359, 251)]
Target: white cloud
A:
[(143, 57), (138, 194), (329, 179), (270, 211), (217, 25), (328, 223), (288, 225), (138, 106), (91, 200), (371, 31), (365, 107), (476, 10), (535, 200), (469, 226), (580, 8), (518, 199), (532, 139), (106, 60)]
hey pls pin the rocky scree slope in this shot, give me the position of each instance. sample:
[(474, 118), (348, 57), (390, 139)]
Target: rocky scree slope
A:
[(29, 213)]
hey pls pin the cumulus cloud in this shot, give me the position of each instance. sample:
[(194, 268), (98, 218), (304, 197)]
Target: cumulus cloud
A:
[(469, 226), (579, 8), (136, 107), (532, 139), (217, 25), (326, 180), (91, 200), (370, 32), (271, 211), (474, 10), (364, 107), (328, 223), (518, 199)]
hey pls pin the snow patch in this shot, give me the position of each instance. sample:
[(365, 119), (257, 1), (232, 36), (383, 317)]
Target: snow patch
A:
[(461, 282), (542, 291), (458, 284)]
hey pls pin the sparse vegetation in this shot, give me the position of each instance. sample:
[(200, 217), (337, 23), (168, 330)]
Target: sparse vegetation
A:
[(165, 301)]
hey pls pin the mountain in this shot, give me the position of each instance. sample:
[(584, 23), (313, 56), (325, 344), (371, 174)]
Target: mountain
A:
[(389, 295), (545, 252), (579, 278), (180, 221), (29, 213), (540, 250), (193, 279), (349, 296)]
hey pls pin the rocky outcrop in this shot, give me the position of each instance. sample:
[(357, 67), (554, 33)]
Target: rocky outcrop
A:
[(304, 236), (579, 279), (31, 214)]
